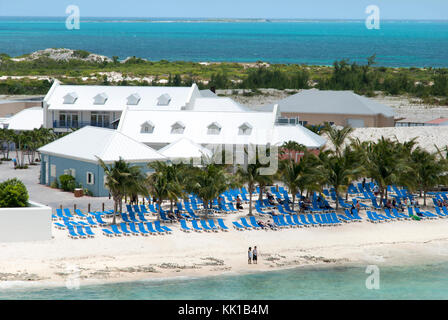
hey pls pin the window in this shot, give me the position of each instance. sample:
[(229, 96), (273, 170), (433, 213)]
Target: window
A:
[(70, 172), (100, 119), (53, 170), (90, 178), (133, 99), (147, 127), (100, 98), (70, 98), (214, 128), (178, 128), (245, 129), (164, 100), (68, 119)]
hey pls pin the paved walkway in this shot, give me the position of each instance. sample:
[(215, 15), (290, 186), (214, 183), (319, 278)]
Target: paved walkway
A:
[(46, 195)]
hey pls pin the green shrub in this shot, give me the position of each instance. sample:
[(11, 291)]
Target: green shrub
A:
[(13, 194), (54, 184), (67, 182)]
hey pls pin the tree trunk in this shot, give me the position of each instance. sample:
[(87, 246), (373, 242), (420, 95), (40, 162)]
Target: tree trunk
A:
[(424, 198), (293, 201), (159, 202), (250, 202), (337, 198)]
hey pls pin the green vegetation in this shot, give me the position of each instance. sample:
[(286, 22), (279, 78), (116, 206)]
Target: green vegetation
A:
[(67, 182), (13, 194), (429, 84)]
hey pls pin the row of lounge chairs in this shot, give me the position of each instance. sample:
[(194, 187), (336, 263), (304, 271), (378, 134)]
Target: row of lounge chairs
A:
[(137, 229), (203, 225)]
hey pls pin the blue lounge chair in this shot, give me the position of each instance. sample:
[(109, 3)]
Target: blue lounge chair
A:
[(152, 209), (60, 226), (246, 224), (355, 214), (440, 213), (115, 230), (151, 229), (400, 215), (280, 223), (380, 217), (311, 220), (237, 226), (80, 232), (427, 214), (129, 208), (204, 225), (72, 234), (136, 208), (281, 210), (80, 214), (344, 218), (163, 229), (196, 227), (124, 229), (142, 229), (290, 220), (222, 225), (304, 221), (371, 217), (164, 217), (335, 218), (254, 223), (133, 228), (232, 207), (60, 214), (143, 209), (183, 226), (389, 215), (297, 221), (133, 218), (100, 220), (108, 233), (68, 214), (125, 218), (141, 216), (89, 232), (285, 222)]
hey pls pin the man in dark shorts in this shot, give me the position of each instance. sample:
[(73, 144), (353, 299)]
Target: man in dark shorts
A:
[(255, 255)]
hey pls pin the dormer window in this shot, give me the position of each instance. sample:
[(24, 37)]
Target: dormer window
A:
[(100, 98), (164, 100), (177, 128), (147, 127), (70, 98), (214, 128), (133, 99), (245, 129)]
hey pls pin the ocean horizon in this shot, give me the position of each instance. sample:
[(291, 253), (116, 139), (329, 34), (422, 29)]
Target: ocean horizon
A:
[(409, 282), (398, 43)]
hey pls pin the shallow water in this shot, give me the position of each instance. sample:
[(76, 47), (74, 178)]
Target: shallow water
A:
[(397, 43), (405, 282)]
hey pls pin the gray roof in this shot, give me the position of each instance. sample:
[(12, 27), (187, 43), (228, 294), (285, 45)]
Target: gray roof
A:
[(207, 93), (336, 102)]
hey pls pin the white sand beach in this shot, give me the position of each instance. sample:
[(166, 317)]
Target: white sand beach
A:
[(103, 259)]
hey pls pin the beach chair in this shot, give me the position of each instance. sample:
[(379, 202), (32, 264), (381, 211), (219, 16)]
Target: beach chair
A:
[(141, 217), (80, 232), (440, 213), (322, 219), (142, 229), (68, 214), (335, 218), (100, 220), (400, 215), (152, 209), (196, 227), (290, 220), (390, 216), (280, 223), (311, 220), (206, 226), (304, 221), (221, 224), (232, 207), (129, 208), (71, 233), (151, 229), (124, 229), (371, 218), (254, 223), (133, 228), (116, 231), (60, 226), (297, 221), (125, 218), (355, 214), (133, 218), (183, 226), (59, 214), (344, 218), (285, 222), (381, 217), (80, 215), (108, 233), (163, 229), (89, 232), (136, 208), (203, 225), (237, 226), (247, 225), (165, 218), (144, 210)]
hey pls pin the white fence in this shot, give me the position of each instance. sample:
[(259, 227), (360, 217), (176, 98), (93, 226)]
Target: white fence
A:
[(32, 223)]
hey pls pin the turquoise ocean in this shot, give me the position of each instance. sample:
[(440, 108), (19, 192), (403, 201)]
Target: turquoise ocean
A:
[(428, 281), (396, 43)]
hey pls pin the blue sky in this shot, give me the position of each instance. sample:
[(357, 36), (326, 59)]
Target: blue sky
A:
[(306, 9)]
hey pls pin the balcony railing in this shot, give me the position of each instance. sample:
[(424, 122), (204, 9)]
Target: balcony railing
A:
[(80, 124)]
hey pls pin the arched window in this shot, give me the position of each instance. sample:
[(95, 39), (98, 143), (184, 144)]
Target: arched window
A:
[(147, 127), (214, 128), (177, 128), (245, 129)]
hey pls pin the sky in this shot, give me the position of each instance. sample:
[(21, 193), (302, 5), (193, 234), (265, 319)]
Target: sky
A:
[(274, 9)]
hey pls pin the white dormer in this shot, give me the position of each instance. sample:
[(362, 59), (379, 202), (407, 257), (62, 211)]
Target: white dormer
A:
[(133, 99), (214, 128), (147, 127), (177, 128), (164, 100), (100, 98), (245, 129), (70, 98)]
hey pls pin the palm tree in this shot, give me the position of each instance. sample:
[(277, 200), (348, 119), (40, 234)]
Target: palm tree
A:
[(164, 183), (387, 162), (290, 146), (122, 178), (208, 182), (337, 136), (429, 171)]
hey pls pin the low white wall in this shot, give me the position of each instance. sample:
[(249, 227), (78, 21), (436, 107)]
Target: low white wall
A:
[(25, 224)]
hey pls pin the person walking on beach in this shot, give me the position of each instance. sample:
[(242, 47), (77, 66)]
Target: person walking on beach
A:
[(255, 255), (249, 255)]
